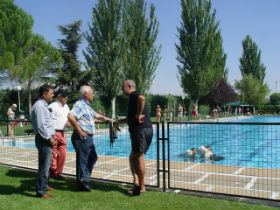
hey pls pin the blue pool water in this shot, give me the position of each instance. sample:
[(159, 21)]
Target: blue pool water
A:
[(240, 145)]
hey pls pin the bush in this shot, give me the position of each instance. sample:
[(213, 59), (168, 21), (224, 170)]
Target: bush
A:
[(275, 99)]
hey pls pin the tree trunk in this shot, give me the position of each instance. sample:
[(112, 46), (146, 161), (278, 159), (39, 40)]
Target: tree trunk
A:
[(196, 103), (113, 102)]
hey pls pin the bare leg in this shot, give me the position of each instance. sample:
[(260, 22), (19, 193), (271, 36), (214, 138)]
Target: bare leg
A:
[(12, 131), (133, 168), (141, 170), (9, 130)]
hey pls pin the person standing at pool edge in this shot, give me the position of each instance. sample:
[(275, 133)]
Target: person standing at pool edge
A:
[(11, 119), (43, 127), (141, 134), (82, 118)]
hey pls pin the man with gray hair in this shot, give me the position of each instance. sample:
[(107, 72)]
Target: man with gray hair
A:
[(82, 118)]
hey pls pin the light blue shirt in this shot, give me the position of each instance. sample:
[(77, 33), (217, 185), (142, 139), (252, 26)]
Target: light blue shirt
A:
[(84, 115), (41, 119)]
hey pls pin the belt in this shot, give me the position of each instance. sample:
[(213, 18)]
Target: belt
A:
[(91, 135), (61, 131)]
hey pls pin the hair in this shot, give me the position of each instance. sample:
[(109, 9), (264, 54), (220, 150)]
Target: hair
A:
[(44, 89), (131, 83), (84, 89), (61, 93)]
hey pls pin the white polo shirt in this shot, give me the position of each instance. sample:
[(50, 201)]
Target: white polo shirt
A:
[(59, 115)]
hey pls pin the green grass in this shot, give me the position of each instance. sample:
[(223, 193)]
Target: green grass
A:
[(18, 131), (17, 191)]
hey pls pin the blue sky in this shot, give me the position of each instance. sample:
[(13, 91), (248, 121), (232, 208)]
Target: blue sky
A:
[(258, 18)]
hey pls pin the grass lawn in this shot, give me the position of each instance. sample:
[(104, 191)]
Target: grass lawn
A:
[(17, 191)]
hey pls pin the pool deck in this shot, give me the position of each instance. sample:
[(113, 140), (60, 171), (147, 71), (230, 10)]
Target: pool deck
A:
[(241, 181)]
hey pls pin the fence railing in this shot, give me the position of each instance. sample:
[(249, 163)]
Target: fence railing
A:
[(244, 160)]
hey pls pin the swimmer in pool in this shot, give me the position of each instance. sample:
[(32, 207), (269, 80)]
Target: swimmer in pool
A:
[(207, 153)]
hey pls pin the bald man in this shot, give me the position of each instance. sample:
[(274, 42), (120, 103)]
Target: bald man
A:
[(141, 134)]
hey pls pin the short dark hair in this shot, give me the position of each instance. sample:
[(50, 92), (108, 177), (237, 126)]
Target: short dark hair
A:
[(44, 89), (61, 92)]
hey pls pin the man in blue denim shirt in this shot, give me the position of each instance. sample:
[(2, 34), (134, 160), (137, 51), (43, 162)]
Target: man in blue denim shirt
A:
[(82, 118), (43, 127)]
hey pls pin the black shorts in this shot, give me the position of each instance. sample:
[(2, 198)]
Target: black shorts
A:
[(141, 139)]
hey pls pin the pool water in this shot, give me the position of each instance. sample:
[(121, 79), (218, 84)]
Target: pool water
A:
[(240, 145)]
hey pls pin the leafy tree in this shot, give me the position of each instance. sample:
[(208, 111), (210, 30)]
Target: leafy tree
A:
[(39, 60), (15, 33), (200, 52), (105, 47), (252, 91), (141, 56), (70, 74), (250, 62), (221, 95), (275, 99)]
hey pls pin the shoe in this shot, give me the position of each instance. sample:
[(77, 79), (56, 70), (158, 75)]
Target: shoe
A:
[(45, 196), (58, 177), (84, 186), (50, 189), (135, 191)]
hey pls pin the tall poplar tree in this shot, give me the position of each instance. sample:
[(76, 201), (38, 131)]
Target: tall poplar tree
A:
[(200, 52), (250, 62), (141, 56), (105, 47)]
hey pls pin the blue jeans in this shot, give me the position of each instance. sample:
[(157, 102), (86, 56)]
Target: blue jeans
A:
[(86, 156), (45, 153)]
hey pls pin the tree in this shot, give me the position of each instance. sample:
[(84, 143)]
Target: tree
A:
[(252, 91), (250, 62), (70, 74), (275, 99), (200, 52), (15, 33), (105, 47), (141, 56), (38, 61), (221, 95)]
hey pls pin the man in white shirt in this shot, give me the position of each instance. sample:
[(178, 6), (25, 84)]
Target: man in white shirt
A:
[(59, 111)]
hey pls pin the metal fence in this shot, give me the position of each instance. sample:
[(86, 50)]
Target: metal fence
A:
[(244, 161), (112, 164)]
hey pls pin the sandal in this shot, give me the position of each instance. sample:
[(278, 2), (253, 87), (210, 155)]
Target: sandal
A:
[(135, 191)]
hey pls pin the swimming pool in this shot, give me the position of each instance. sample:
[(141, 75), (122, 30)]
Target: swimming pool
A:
[(250, 145), (253, 145)]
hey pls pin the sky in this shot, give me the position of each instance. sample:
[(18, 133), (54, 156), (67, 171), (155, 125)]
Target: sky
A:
[(258, 18)]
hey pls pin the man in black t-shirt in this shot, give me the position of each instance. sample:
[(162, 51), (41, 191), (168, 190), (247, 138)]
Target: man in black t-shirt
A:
[(141, 134)]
